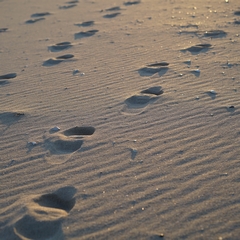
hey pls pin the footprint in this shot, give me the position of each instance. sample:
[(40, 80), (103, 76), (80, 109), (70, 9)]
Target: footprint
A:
[(54, 61), (85, 34), (8, 76), (44, 215), (66, 56), (68, 6), (30, 21), (51, 62), (149, 71), (112, 15), (215, 33), (37, 15), (136, 104), (114, 9), (71, 2), (3, 29), (131, 3), (85, 24), (158, 64), (198, 48), (61, 146), (60, 46)]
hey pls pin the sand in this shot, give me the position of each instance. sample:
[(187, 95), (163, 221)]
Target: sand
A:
[(119, 120)]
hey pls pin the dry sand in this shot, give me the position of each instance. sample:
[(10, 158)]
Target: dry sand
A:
[(153, 88)]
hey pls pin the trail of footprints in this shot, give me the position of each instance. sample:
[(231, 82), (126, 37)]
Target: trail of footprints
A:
[(46, 212)]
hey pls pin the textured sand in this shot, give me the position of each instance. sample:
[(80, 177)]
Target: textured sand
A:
[(153, 88)]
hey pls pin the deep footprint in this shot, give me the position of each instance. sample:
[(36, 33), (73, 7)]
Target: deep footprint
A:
[(44, 215)]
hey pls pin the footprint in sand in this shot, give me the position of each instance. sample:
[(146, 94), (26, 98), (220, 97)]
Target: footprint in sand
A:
[(137, 103), (215, 34), (60, 46), (54, 61), (44, 215), (112, 15), (68, 6), (113, 9), (85, 24), (42, 14), (31, 21), (131, 3), (196, 49), (8, 76), (159, 67), (61, 146), (3, 29), (85, 34)]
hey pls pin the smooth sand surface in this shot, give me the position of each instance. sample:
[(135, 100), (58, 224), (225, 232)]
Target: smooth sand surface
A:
[(119, 120)]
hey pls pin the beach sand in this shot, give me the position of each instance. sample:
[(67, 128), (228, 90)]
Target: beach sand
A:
[(119, 120)]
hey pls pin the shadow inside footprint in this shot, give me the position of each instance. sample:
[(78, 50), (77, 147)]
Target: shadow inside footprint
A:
[(79, 131), (45, 213), (54, 201)]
